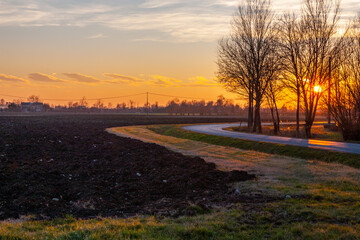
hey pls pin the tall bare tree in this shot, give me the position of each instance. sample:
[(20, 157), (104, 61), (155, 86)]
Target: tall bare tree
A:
[(33, 98), (311, 50), (83, 102), (99, 104), (345, 99), (319, 25), (247, 59), (273, 94), (293, 53)]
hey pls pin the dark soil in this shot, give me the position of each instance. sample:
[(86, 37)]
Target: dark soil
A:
[(51, 166)]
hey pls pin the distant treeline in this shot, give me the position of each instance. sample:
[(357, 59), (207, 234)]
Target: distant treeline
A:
[(220, 107)]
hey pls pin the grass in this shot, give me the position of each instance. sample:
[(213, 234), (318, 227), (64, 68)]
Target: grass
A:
[(318, 131), (309, 218), (352, 160), (288, 219)]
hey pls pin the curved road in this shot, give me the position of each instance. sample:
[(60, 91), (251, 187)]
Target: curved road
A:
[(217, 129)]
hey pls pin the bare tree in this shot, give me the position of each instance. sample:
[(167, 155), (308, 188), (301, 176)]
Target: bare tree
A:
[(131, 104), (345, 99), (33, 98), (75, 105), (273, 94), (83, 102), (293, 55), (173, 106), (246, 59), (319, 22), (99, 104), (310, 51)]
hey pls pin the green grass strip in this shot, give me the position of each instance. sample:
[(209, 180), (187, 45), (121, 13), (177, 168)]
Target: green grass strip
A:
[(352, 160)]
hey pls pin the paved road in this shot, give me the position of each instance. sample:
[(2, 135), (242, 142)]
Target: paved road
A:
[(217, 129)]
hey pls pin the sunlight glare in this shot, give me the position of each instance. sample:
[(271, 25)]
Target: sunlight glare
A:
[(317, 89)]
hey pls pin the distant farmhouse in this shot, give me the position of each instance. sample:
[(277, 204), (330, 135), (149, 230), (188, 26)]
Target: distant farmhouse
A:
[(32, 107)]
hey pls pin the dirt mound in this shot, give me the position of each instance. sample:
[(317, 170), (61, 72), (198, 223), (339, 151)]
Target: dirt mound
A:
[(50, 167)]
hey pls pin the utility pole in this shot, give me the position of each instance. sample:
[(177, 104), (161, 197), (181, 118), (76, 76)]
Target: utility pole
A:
[(147, 102), (329, 92)]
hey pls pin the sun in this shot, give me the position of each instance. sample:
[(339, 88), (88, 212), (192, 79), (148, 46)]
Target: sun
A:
[(317, 89)]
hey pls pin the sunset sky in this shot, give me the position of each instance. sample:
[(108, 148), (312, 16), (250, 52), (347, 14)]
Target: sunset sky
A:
[(66, 49)]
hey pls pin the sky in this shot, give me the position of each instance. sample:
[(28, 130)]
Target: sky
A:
[(67, 49)]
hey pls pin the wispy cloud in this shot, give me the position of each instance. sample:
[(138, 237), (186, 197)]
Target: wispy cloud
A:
[(201, 82), (97, 36), (227, 3), (11, 79), (150, 39), (178, 26), (162, 81), (178, 20), (47, 13), (158, 3), (82, 78), (122, 78), (41, 77)]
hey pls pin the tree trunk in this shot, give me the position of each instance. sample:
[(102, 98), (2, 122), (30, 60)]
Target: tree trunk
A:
[(274, 121), (257, 120), (250, 112), (308, 131), (308, 124), (298, 114), (277, 118), (277, 130)]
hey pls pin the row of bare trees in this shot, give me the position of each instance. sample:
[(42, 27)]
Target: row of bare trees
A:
[(344, 94), (302, 56), (221, 106)]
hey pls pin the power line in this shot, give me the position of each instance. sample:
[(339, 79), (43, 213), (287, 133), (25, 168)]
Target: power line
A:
[(164, 95), (107, 98), (11, 96), (75, 99), (133, 95)]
